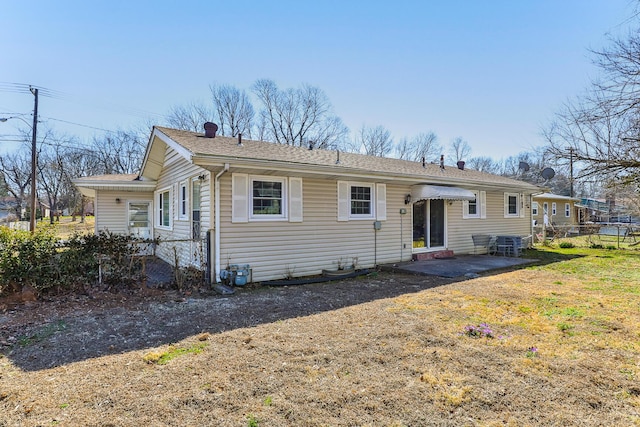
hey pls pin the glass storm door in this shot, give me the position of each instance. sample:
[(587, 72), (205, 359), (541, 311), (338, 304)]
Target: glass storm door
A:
[(197, 255), (139, 224), (436, 223), (428, 224)]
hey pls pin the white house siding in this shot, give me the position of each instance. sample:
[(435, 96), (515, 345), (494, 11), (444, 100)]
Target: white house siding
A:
[(112, 215), (460, 230), (176, 170), (277, 249)]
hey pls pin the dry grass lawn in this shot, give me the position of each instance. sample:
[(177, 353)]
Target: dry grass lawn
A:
[(561, 346)]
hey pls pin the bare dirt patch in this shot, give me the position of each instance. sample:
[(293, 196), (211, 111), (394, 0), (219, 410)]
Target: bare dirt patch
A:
[(384, 350)]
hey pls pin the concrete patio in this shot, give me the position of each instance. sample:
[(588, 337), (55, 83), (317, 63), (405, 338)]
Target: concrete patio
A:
[(457, 266)]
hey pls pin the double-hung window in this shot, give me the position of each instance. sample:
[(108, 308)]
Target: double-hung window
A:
[(183, 208), (361, 200), (163, 202), (267, 198), (511, 205), (567, 210), (475, 208), (553, 208), (534, 208)]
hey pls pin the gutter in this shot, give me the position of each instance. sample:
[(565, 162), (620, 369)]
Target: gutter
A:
[(216, 214)]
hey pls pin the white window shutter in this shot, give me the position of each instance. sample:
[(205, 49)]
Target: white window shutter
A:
[(344, 207), (295, 199), (465, 209), (381, 202), (483, 204), (521, 205), (240, 197)]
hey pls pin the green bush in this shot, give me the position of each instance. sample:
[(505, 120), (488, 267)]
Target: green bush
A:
[(27, 259), (41, 261), (567, 245)]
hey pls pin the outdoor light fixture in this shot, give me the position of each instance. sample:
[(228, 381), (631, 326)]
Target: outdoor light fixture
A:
[(407, 199)]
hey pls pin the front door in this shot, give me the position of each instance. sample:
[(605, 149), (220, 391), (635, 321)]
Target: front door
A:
[(429, 226)]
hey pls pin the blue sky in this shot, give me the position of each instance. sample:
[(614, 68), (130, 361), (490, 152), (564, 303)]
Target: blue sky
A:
[(491, 72)]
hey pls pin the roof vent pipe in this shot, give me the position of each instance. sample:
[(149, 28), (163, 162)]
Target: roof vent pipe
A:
[(310, 145), (442, 161), (338, 159), (240, 139), (210, 130), (424, 165)]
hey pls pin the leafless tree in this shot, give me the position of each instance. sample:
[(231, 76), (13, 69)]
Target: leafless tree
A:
[(374, 141), (16, 170), (119, 152), (297, 116), (190, 117), (424, 145), (459, 150), (483, 164), (51, 174), (234, 111), (599, 132)]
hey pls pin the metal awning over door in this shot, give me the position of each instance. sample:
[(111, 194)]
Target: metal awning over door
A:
[(423, 192)]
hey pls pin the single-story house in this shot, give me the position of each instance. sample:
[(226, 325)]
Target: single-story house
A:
[(559, 210), (285, 211)]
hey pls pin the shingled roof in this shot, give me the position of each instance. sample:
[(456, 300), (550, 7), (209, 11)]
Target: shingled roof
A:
[(223, 148)]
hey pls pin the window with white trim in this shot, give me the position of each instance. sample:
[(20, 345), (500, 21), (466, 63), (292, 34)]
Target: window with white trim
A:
[(265, 198), (567, 210), (361, 200), (553, 208), (475, 208), (511, 205), (534, 208), (268, 198), (163, 211), (183, 202)]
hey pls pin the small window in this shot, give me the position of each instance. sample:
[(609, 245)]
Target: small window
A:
[(471, 208), (545, 208), (534, 209), (183, 213), (164, 208), (476, 208), (567, 210), (268, 198), (511, 205), (553, 208), (361, 201)]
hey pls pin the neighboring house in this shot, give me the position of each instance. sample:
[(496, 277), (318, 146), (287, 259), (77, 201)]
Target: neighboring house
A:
[(292, 211), (560, 210)]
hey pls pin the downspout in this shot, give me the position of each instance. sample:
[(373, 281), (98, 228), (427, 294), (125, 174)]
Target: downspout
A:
[(216, 214)]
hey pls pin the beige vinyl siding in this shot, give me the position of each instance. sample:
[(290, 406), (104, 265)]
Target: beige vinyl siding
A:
[(176, 170), (460, 230), (276, 249), (559, 218), (113, 216)]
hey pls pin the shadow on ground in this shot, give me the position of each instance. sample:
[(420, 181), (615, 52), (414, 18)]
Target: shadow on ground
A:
[(94, 332)]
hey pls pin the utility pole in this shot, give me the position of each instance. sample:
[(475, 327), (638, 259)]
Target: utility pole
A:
[(571, 171), (34, 162)]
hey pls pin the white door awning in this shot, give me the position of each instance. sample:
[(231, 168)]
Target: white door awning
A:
[(422, 192)]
